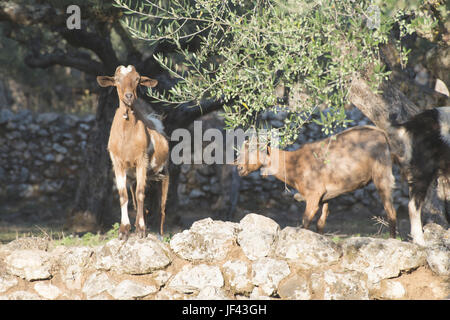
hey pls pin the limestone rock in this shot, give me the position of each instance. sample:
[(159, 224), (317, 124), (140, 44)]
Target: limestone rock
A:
[(308, 249), (436, 235), (127, 290), (72, 263), (340, 285), (29, 264), (205, 240), (257, 235), (236, 271), (134, 256), (267, 274), (379, 258), (47, 290), (194, 278), (211, 293), (438, 258), (97, 284), (390, 289), (7, 282), (295, 288), (21, 295)]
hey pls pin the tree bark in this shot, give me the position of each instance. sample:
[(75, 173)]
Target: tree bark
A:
[(93, 202), (382, 108)]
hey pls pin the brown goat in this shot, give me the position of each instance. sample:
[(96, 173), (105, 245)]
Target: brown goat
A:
[(325, 169), (136, 140)]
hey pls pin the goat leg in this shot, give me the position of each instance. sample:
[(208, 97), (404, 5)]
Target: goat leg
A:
[(121, 182), (312, 205), (164, 191), (141, 173), (323, 218)]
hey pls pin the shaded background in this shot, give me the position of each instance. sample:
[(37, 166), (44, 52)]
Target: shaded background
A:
[(55, 173)]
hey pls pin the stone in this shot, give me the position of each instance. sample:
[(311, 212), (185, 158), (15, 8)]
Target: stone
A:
[(196, 193), (267, 273), (72, 263), (306, 248), (171, 294), (237, 274), (49, 157), (59, 148), (7, 282), (295, 288), (6, 115), (391, 289), (47, 118), (47, 290), (379, 258), (21, 295), (96, 284), (20, 145), (27, 243), (332, 285), (194, 278), (161, 277), (258, 294), (135, 256), (128, 290), (205, 240), (438, 258), (29, 264), (257, 235), (436, 235), (441, 87), (211, 293)]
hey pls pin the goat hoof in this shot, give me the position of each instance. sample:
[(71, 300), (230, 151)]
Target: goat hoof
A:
[(124, 232), (140, 233)]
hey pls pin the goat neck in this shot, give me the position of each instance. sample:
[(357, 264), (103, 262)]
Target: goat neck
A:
[(280, 166)]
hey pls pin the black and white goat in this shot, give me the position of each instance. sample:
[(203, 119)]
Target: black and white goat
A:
[(424, 144)]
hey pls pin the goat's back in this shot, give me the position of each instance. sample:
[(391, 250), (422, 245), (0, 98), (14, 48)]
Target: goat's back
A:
[(348, 160)]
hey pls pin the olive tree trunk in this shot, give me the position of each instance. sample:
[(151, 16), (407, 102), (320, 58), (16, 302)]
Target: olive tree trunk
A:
[(93, 200)]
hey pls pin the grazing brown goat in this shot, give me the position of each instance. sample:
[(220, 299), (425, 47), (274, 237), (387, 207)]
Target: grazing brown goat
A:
[(136, 141), (325, 169)]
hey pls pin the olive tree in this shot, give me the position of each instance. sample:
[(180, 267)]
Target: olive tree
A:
[(300, 57)]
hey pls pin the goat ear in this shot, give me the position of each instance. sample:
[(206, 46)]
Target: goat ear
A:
[(146, 81), (269, 150), (105, 81)]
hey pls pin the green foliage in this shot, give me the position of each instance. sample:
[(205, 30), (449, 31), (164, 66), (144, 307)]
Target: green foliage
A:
[(88, 239), (250, 48)]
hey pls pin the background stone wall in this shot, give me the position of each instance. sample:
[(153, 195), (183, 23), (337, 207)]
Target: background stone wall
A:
[(41, 155)]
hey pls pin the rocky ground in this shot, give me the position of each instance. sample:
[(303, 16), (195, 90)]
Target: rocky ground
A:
[(252, 259)]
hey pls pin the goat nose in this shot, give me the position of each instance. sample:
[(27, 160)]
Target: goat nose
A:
[(129, 96)]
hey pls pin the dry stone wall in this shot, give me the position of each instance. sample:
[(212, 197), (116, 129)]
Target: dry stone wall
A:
[(252, 259), (41, 156)]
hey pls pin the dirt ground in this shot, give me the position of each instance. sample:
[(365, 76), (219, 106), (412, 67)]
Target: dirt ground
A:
[(19, 219)]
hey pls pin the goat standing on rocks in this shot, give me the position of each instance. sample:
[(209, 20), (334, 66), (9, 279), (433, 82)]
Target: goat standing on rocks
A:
[(325, 169), (136, 141)]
